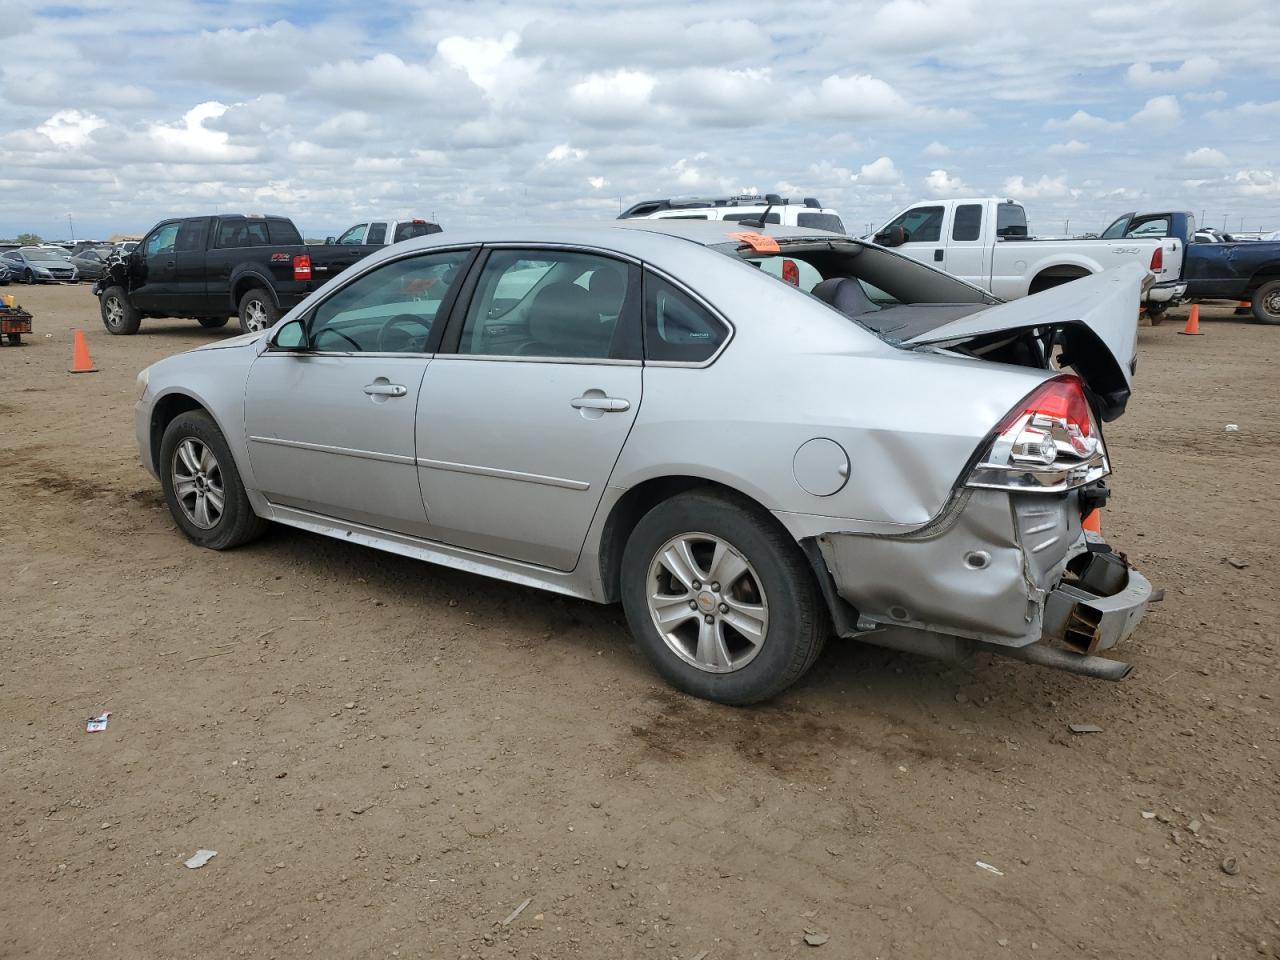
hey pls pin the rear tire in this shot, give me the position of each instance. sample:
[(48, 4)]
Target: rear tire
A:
[(258, 311), (202, 485), (1155, 313), (212, 323), (1266, 302), (118, 315), (769, 590)]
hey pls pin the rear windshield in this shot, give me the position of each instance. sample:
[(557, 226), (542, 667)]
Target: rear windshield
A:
[(1011, 220), (407, 231), (283, 232), (771, 218), (821, 221)]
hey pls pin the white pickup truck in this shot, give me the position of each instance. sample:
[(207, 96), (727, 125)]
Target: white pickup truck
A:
[(985, 241), (383, 230)]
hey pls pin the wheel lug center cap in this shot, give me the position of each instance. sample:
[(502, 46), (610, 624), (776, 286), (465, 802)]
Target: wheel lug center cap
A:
[(706, 601)]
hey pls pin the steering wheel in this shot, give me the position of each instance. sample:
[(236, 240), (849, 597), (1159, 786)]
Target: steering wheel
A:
[(394, 338), (336, 333)]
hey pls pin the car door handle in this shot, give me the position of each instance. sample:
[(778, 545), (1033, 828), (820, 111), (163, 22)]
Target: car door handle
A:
[(385, 390), (607, 404), (937, 255)]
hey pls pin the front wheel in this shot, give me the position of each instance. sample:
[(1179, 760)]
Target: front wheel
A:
[(28, 276), (257, 312), (720, 599), (212, 323), (1266, 302), (118, 315), (202, 485)]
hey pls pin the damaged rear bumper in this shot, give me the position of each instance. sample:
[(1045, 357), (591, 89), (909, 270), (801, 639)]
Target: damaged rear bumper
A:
[(1167, 291), (1002, 573)]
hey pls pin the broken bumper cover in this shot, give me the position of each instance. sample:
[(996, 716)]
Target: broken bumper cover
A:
[(1008, 574)]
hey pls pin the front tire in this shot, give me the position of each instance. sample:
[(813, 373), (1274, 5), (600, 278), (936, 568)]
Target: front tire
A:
[(202, 485), (212, 323), (720, 599), (258, 311), (28, 277), (118, 315), (1266, 302)]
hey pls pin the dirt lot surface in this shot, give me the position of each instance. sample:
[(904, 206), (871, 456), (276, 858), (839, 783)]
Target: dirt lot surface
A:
[(390, 758)]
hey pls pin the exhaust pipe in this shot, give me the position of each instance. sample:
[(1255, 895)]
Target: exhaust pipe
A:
[(1100, 668)]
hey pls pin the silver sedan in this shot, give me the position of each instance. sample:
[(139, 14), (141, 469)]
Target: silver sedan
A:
[(754, 439)]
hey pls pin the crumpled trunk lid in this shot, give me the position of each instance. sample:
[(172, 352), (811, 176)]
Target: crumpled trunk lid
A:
[(1094, 320)]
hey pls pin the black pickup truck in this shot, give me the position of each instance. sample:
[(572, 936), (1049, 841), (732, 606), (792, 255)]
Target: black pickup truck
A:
[(213, 268)]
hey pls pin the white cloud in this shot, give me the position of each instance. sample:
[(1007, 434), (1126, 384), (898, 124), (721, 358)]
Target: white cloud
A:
[(1205, 157), (1046, 188), (864, 97), (1159, 112), (70, 128), (939, 183), (490, 64), (1250, 110), (719, 96), (922, 24), (1193, 72), (1070, 148), (936, 149), (880, 172), (611, 99), (1083, 122), (562, 152), (597, 183)]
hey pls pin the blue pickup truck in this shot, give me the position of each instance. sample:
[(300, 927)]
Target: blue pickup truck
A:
[(1239, 270)]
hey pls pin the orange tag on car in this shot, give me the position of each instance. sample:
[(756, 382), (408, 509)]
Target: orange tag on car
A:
[(757, 242)]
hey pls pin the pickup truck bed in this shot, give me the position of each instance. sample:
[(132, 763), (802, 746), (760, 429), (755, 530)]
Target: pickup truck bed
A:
[(212, 268)]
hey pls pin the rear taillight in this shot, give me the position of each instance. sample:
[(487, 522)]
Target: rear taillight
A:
[(302, 267), (1048, 442), (791, 272), (1157, 260)]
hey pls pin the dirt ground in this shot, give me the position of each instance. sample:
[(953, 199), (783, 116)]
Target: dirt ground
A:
[(389, 758)]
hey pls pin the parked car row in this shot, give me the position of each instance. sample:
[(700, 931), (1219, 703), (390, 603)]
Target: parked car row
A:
[(38, 265)]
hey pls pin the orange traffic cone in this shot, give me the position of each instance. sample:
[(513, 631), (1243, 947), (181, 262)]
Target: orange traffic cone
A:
[(1192, 328), (80, 362), (1092, 522)]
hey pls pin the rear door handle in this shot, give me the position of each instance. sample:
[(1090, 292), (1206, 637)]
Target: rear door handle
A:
[(386, 390), (937, 256), (607, 404)]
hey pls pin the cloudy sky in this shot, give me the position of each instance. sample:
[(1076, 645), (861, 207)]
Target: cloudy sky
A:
[(120, 112)]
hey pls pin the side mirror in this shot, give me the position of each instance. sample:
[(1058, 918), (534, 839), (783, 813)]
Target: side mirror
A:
[(330, 241), (891, 237), (291, 337)]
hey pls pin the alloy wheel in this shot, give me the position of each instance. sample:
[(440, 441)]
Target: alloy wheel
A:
[(255, 316), (707, 602), (115, 312), (197, 483)]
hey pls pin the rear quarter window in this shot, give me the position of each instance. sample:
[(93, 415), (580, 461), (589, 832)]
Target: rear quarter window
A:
[(678, 329)]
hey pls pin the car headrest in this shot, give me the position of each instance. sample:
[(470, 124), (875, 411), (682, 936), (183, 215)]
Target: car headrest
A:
[(846, 295), (562, 321), (608, 286)]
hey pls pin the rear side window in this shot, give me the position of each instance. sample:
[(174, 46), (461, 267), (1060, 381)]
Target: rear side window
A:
[(377, 233), (411, 229), (821, 221), (242, 233), (678, 329), (968, 222), (283, 233), (1011, 220), (191, 235)]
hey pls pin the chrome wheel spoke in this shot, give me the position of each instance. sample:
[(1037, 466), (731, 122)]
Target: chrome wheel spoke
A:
[(189, 456), (215, 500), (202, 510), (747, 618), (671, 611), (678, 559), (207, 463), (184, 488)]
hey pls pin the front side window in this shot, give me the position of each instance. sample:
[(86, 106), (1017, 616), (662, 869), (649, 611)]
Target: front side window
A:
[(921, 224), (377, 233), (163, 240), (548, 304), (676, 327), (968, 222), (389, 310), (1116, 230), (354, 236)]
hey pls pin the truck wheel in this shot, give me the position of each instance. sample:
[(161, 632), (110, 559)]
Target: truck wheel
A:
[(1266, 302), (257, 311), (1155, 313), (720, 599), (118, 315), (202, 485), (212, 323)]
